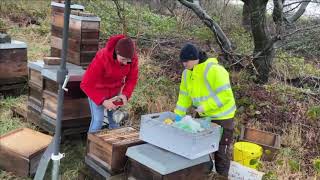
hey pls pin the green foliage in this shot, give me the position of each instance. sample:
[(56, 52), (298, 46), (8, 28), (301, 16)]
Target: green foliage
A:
[(2, 24), (316, 164), (242, 40), (305, 43), (24, 9), (294, 165), (270, 176), (314, 112), (290, 67), (149, 86), (139, 20), (202, 33)]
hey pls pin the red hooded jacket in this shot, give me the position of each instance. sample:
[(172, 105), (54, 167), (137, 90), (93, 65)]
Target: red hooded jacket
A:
[(105, 76)]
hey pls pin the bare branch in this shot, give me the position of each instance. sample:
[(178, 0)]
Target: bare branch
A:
[(299, 2), (299, 13), (278, 15), (220, 36), (121, 16)]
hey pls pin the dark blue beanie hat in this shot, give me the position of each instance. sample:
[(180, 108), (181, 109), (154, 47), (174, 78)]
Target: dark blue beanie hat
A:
[(189, 52)]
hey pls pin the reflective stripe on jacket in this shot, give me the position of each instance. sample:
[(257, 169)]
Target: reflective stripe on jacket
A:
[(207, 85)]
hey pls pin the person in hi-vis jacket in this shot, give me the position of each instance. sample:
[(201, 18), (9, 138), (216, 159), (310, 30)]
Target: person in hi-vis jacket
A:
[(205, 85)]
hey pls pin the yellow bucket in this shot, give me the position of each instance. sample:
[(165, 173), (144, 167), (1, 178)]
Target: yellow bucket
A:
[(247, 154)]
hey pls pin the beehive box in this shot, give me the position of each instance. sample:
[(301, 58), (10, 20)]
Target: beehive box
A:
[(189, 145), (36, 83), (148, 162), (58, 7), (270, 142), (76, 110), (13, 65), (108, 147), (21, 151), (83, 42), (36, 80)]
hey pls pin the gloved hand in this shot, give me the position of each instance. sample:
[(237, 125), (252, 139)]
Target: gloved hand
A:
[(200, 109), (178, 118)]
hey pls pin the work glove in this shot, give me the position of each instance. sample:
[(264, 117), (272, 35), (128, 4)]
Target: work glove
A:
[(200, 109), (178, 118)]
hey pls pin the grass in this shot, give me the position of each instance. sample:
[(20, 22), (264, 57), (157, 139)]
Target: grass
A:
[(155, 92)]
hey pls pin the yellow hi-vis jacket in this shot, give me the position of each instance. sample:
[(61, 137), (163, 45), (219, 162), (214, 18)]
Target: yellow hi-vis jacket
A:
[(207, 85)]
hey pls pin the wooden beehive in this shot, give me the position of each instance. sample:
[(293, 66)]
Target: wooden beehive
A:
[(21, 151), (83, 39), (13, 65), (270, 142), (148, 162), (108, 147), (76, 111)]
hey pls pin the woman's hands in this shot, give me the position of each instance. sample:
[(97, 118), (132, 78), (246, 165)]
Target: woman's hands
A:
[(108, 104)]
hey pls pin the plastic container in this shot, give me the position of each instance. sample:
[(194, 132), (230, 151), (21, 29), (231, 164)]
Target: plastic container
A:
[(178, 141), (247, 154)]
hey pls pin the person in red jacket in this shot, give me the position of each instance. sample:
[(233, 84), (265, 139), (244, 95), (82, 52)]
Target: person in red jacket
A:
[(112, 72)]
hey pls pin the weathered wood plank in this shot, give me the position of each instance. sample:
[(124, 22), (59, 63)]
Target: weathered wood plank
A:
[(110, 146), (13, 55), (52, 60), (73, 44), (20, 150), (35, 79), (73, 34), (13, 69), (269, 141)]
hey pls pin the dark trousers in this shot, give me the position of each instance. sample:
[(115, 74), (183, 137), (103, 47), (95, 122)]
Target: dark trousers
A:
[(222, 156)]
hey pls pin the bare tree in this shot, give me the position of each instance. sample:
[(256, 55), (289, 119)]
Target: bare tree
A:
[(255, 11), (121, 15)]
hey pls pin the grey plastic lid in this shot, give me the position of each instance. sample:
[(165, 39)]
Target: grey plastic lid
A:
[(73, 6), (39, 65), (13, 45), (160, 160), (84, 18), (74, 74)]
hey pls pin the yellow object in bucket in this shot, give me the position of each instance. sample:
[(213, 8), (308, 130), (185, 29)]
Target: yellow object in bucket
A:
[(247, 154)]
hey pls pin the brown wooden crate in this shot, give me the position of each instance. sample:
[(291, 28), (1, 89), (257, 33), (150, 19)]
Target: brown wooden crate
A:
[(72, 108), (21, 149), (83, 58), (90, 35), (52, 60), (35, 79), (268, 141), (35, 96), (13, 69), (74, 90), (15, 80), (57, 20), (58, 32), (13, 55), (139, 171), (73, 44), (110, 146), (90, 26)]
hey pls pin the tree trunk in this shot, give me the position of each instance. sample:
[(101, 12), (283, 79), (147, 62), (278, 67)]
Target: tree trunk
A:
[(246, 21), (263, 51)]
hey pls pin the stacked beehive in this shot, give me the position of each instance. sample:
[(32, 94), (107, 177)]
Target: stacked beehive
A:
[(83, 39), (13, 65), (43, 85)]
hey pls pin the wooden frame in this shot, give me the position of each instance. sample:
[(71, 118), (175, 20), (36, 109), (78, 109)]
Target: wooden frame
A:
[(270, 142)]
